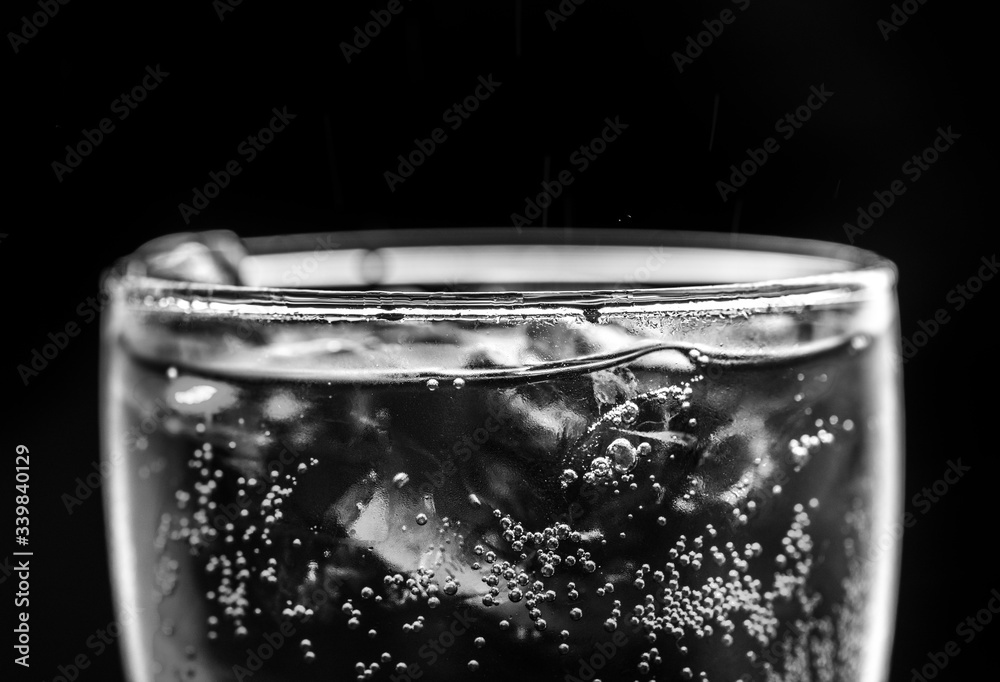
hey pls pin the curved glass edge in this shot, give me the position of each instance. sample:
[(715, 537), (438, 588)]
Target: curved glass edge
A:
[(864, 274)]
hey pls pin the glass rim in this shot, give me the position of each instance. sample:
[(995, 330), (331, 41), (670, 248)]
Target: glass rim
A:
[(843, 274)]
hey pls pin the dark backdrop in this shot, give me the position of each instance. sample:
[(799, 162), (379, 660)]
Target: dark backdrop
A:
[(222, 69)]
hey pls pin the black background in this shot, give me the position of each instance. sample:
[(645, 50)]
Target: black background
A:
[(325, 171)]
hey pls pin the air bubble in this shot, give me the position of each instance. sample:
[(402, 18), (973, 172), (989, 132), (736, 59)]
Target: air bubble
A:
[(458, 383), (622, 453), (600, 467), (629, 412), (432, 384), (421, 519)]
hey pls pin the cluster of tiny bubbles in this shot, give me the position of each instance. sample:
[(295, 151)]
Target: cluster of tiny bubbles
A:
[(233, 555), (803, 447), (681, 599), (367, 672), (705, 588), (624, 414)]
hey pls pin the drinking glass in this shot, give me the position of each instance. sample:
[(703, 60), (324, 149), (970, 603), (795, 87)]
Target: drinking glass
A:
[(489, 454)]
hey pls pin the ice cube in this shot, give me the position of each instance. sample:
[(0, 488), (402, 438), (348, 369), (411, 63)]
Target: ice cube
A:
[(541, 421), (614, 386), (548, 340), (206, 257)]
